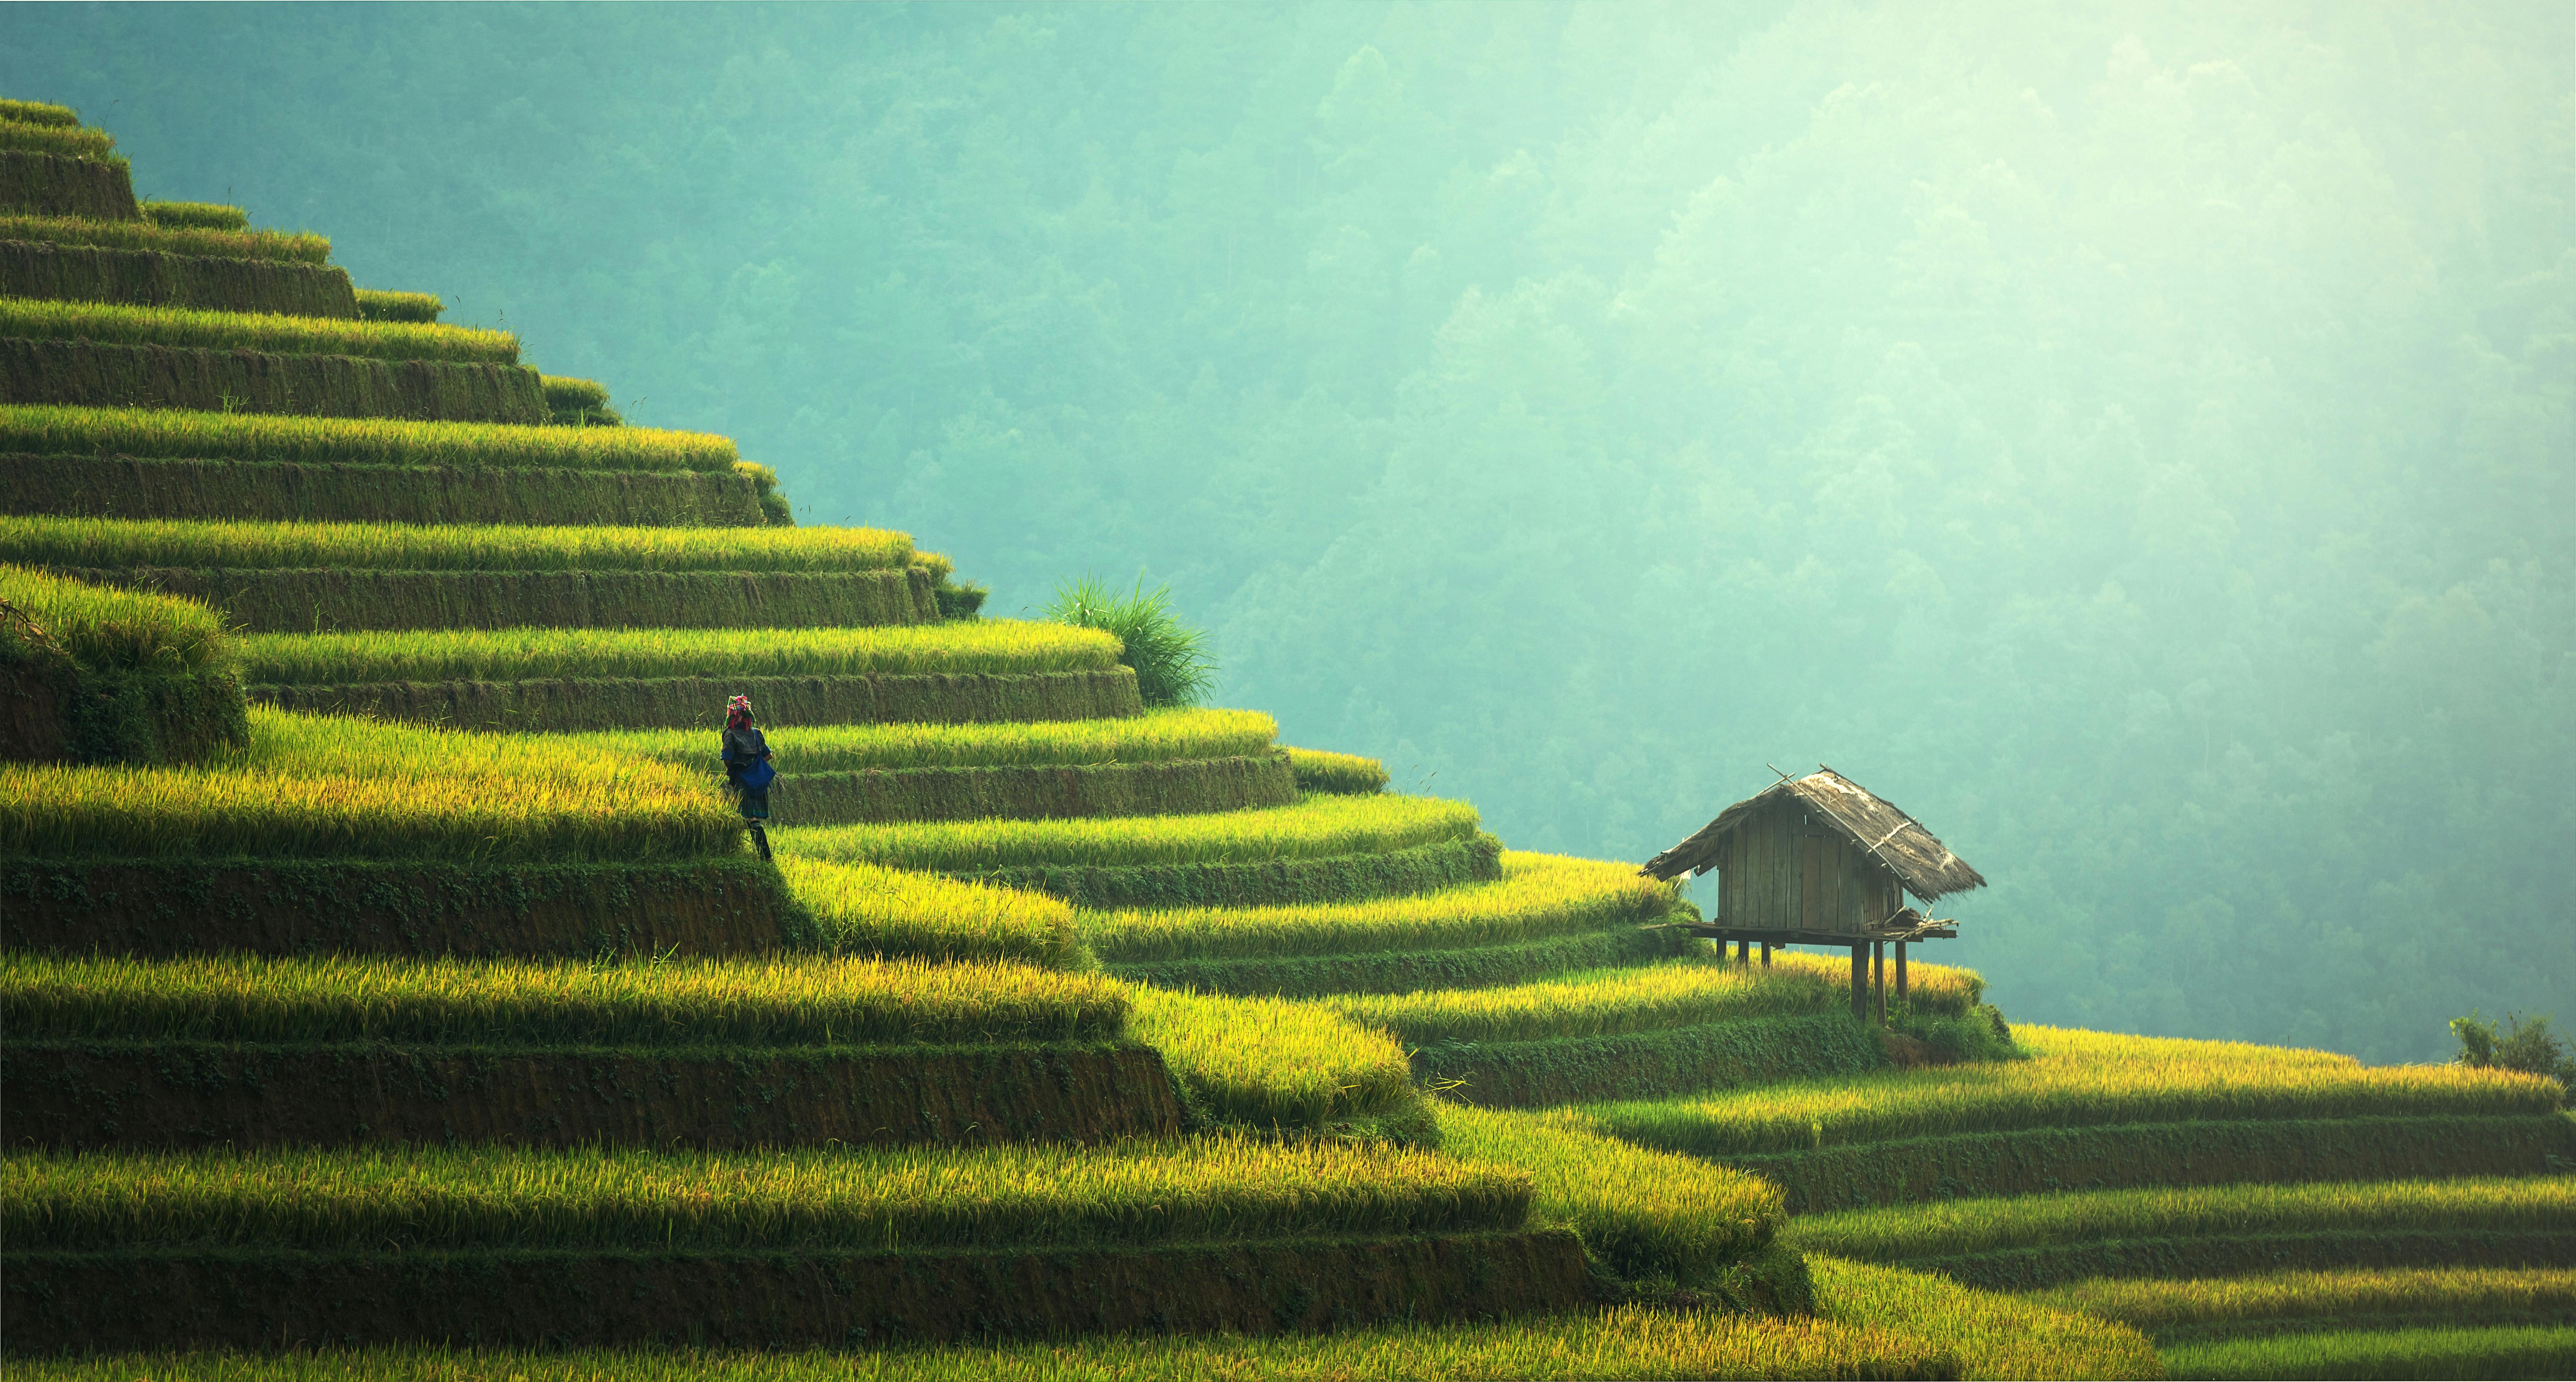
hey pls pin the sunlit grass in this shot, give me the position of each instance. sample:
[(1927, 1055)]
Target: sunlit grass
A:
[(1316, 827), (133, 542), (1155, 736), (1321, 771), (692, 1003), (2501, 1351), (1538, 896), (292, 247), (103, 627), (120, 324), (2076, 1078), (319, 786), (438, 1199), (1271, 1062), (984, 645), (866, 909), (2262, 1304), (51, 429), (1993, 1336), (2539, 1204), (62, 141)]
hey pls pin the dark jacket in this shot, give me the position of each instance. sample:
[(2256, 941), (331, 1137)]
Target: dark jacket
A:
[(742, 748)]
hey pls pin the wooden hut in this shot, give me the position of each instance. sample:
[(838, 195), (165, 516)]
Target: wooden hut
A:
[(1819, 860)]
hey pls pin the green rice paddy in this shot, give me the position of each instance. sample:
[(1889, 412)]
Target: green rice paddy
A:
[(1272, 1063), (993, 645), (103, 627), (287, 247), (1153, 737), (51, 429), (1316, 827), (865, 909), (267, 331), (116, 543)]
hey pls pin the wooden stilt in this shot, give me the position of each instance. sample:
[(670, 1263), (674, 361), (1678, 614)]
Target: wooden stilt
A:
[(1878, 966), (1743, 952), (1900, 971), (1860, 982), (1766, 954)]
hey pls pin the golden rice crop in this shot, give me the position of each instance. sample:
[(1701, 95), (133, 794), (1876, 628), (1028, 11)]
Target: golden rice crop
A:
[(1316, 827), (2538, 1204), (103, 627), (51, 429), (292, 247), (132, 542), (117, 324), (378, 304), (204, 215), (1155, 736), (1271, 1062), (37, 112), (1619, 1341), (2547, 1350), (983, 645), (416, 1199), (1940, 988), (2258, 1302), (1642, 1213), (313, 786), (1538, 896), (2075, 1078), (1993, 1335), (1319, 770), (1682, 992), (694, 1003), (864, 909), (62, 141)]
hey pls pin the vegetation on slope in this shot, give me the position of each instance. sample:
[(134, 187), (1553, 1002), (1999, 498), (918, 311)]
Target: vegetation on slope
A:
[(1316, 827), (114, 543), (2498, 1351), (107, 628), (288, 247), (1269, 1063), (201, 215), (1321, 771), (380, 305), (1155, 736), (112, 676), (1172, 660), (266, 331), (49, 429), (528, 654), (692, 1003), (867, 909), (1994, 1336), (2287, 1302)]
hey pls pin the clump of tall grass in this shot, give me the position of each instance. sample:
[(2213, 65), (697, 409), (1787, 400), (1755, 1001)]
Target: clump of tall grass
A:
[(502, 1003), (132, 542), (1642, 1213), (106, 628), (1172, 663), (1314, 828), (325, 787), (863, 909), (997, 646), (584, 403), (288, 247), (437, 1199), (62, 141), (2536, 1204), (1991, 1334), (2214, 1306), (1273, 1063), (1538, 896), (2074, 1078), (119, 324), (194, 215), (379, 305), (1619, 1341), (1153, 737), (2527, 1350), (51, 429)]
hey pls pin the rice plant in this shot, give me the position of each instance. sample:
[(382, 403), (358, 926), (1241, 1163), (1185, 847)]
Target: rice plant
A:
[(862, 909), (1172, 663), (115, 543), (1314, 828), (1153, 737), (1538, 896), (893, 1199), (324, 787), (62, 141), (2502, 1351), (2537, 1204), (117, 324), (2282, 1301), (37, 112), (1642, 1213), (1991, 1335), (196, 215), (992, 646), (1685, 992), (51, 429), (1628, 1341), (811, 1002), (1321, 771), (1271, 1063), (378, 305), (2074, 1078), (289, 247), (106, 628)]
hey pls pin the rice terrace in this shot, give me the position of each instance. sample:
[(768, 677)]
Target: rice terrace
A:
[(492, 884)]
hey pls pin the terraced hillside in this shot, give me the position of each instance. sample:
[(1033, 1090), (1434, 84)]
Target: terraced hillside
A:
[(388, 988)]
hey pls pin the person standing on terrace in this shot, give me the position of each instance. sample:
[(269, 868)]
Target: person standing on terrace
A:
[(747, 770)]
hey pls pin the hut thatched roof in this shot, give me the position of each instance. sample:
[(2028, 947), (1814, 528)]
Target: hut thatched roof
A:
[(1923, 864)]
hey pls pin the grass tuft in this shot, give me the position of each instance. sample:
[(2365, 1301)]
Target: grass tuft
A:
[(1171, 658), (118, 324)]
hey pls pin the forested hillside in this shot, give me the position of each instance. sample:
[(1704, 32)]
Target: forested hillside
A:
[(2138, 438)]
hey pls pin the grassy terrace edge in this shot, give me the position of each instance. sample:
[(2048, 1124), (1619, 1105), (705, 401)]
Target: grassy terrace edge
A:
[(175, 434)]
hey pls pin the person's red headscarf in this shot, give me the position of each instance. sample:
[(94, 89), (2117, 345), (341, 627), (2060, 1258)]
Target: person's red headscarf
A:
[(737, 712)]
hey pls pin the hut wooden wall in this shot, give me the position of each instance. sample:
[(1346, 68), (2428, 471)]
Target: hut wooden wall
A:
[(1783, 871)]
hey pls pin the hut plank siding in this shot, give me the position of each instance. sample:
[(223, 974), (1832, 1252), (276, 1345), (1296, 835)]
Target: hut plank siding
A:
[(1817, 855)]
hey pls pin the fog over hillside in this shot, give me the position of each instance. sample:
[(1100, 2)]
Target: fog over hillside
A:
[(2138, 438)]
